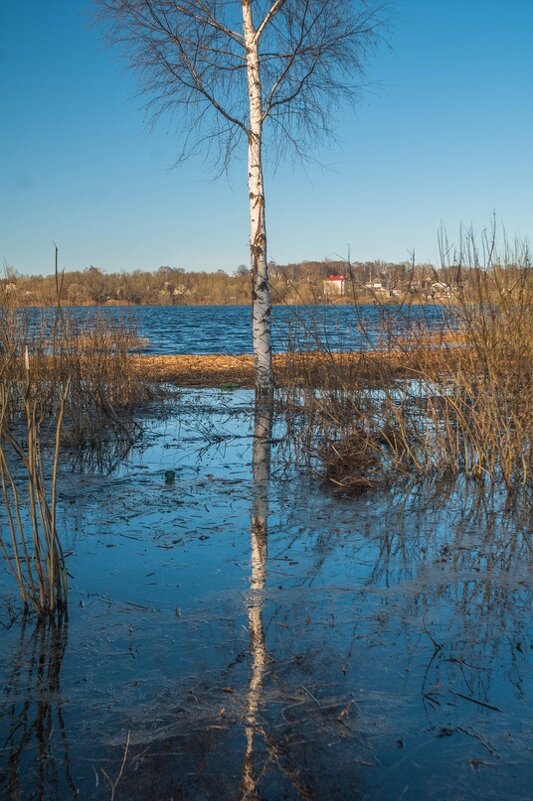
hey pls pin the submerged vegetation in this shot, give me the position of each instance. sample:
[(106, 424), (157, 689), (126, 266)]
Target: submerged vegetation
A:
[(234, 635)]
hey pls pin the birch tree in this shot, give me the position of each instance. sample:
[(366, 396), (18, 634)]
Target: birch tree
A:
[(269, 72)]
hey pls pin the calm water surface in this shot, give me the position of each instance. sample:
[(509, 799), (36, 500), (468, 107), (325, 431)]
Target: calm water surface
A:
[(267, 640)]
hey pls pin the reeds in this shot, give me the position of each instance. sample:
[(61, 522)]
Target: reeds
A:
[(33, 552), (452, 396), (93, 356), (62, 383)]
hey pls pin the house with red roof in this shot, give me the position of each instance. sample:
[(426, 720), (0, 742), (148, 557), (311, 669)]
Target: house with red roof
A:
[(334, 285)]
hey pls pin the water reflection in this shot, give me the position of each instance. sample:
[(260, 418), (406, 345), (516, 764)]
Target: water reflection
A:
[(377, 641), (32, 725), (103, 457), (258, 560)]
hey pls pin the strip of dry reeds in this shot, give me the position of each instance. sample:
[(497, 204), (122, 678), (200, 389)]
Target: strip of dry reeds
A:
[(95, 360)]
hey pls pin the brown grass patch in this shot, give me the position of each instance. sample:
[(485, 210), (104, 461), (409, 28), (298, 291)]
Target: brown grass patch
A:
[(290, 369)]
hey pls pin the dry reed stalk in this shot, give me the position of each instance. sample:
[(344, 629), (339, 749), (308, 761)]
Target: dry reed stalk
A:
[(91, 366), (37, 561)]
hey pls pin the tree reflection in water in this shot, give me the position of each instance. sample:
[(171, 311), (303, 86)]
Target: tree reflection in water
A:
[(258, 561), (389, 633), (255, 770), (34, 737)]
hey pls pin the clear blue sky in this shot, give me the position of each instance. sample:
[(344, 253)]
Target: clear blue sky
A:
[(446, 136)]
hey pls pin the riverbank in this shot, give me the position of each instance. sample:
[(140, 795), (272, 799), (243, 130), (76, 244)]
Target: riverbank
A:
[(362, 298)]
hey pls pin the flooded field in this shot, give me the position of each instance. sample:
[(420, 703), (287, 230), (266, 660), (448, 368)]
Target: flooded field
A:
[(237, 636)]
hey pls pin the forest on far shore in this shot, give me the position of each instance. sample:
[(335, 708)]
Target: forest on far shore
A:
[(305, 282)]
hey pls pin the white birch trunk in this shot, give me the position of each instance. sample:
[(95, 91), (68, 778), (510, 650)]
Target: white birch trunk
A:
[(261, 304)]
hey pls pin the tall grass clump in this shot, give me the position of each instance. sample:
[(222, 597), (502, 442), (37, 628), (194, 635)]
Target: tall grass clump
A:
[(91, 355), (64, 385), (32, 550), (448, 395)]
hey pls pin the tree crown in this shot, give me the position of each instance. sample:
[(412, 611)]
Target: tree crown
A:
[(191, 59)]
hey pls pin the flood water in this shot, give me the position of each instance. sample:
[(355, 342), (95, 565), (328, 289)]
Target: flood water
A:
[(235, 636)]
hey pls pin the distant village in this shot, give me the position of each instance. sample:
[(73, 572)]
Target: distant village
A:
[(305, 282), (335, 286)]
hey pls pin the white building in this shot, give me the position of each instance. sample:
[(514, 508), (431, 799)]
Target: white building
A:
[(334, 285)]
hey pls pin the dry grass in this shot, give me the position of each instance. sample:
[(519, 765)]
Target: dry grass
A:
[(458, 400), (94, 360), (59, 383), (290, 369), (35, 559)]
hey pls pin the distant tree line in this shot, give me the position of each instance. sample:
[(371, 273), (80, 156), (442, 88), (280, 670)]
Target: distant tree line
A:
[(302, 282)]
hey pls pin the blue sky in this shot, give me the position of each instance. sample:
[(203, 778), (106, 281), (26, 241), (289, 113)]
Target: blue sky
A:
[(445, 136)]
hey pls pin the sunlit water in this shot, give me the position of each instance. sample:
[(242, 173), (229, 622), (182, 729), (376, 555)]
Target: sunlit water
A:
[(227, 329), (372, 648)]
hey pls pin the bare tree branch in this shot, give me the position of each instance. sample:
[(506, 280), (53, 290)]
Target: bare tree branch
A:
[(209, 19), (273, 10)]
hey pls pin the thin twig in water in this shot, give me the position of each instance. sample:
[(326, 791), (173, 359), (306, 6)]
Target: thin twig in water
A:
[(310, 694), (475, 701), (114, 784)]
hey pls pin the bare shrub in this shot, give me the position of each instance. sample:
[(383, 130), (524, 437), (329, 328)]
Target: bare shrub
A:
[(352, 463)]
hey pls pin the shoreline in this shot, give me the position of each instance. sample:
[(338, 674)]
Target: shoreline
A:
[(217, 370), (345, 300)]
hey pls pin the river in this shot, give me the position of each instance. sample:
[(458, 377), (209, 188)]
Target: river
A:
[(227, 329)]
